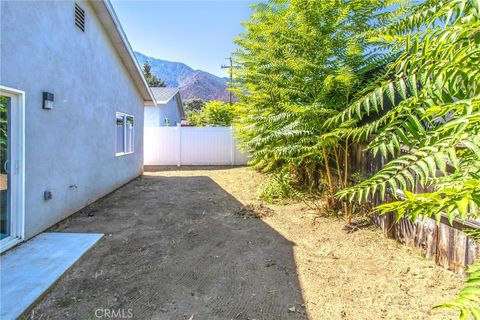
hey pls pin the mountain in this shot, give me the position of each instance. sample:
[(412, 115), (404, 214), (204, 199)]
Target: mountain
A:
[(205, 86), (192, 83)]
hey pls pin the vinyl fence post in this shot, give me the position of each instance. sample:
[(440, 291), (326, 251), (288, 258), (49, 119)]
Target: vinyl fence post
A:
[(179, 144), (232, 147)]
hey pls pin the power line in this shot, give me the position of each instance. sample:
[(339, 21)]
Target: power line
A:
[(230, 67)]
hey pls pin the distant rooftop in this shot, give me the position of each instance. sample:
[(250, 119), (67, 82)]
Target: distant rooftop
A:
[(162, 94)]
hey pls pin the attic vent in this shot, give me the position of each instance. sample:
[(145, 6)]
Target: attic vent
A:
[(79, 17)]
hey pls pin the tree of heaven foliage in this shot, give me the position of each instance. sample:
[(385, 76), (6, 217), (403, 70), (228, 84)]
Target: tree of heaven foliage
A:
[(433, 129), (300, 65)]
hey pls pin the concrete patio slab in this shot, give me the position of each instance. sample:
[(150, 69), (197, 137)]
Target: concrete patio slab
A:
[(29, 270)]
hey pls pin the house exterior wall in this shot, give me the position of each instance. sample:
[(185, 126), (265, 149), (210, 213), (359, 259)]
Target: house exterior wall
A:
[(69, 150), (155, 116)]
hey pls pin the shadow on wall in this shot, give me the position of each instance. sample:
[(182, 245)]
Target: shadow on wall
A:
[(176, 248)]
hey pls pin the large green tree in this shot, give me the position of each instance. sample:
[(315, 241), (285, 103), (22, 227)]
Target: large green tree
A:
[(432, 129), (316, 76), (434, 121), (195, 104), (152, 80), (300, 64), (214, 113)]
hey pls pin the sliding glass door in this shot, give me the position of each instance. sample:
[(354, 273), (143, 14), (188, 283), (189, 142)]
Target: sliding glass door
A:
[(5, 145), (12, 167)]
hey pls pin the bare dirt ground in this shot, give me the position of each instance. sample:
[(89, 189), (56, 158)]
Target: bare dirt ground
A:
[(187, 245)]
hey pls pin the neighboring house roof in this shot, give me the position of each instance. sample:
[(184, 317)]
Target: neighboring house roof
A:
[(163, 95), (110, 22)]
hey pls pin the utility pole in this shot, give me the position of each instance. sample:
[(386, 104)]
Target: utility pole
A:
[(230, 67)]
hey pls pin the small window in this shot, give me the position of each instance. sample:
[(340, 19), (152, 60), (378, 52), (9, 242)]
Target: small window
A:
[(79, 17), (124, 141)]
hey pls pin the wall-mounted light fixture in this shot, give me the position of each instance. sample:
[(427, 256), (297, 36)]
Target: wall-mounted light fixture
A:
[(48, 100)]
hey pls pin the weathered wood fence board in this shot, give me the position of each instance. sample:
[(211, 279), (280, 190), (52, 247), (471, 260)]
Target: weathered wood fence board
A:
[(443, 243)]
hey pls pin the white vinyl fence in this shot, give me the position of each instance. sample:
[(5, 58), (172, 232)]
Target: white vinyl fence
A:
[(191, 146)]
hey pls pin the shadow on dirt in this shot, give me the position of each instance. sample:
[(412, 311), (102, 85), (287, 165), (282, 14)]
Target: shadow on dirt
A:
[(178, 248)]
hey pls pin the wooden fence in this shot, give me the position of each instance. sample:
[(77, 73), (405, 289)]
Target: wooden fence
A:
[(443, 243)]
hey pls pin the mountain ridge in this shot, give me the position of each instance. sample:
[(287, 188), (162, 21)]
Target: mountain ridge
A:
[(192, 83)]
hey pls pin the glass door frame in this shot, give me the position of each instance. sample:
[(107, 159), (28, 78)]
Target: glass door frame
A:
[(17, 167)]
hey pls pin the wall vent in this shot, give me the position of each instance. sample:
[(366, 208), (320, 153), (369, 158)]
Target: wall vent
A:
[(79, 17)]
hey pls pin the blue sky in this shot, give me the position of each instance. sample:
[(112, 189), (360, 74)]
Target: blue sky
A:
[(198, 33)]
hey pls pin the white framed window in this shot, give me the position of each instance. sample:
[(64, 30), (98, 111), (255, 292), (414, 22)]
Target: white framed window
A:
[(124, 134)]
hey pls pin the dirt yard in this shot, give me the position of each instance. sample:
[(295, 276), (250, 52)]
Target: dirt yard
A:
[(186, 245)]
